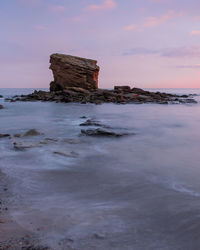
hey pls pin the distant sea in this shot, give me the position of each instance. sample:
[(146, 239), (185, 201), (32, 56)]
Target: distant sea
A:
[(141, 191)]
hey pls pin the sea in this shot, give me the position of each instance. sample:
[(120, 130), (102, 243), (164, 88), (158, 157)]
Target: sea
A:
[(136, 192)]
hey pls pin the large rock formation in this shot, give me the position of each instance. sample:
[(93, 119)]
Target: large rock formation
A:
[(76, 80), (72, 71)]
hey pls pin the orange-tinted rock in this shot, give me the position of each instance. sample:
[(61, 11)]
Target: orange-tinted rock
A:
[(72, 71)]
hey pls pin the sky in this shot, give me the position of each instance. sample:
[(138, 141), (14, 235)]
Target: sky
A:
[(141, 43)]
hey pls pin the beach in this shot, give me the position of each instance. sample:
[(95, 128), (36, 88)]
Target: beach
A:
[(63, 189)]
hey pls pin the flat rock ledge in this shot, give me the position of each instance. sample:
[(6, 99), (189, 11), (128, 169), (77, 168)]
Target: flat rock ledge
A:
[(118, 95)]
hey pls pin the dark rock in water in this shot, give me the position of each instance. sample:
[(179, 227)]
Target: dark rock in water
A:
[(83, 117), (188, 100), (31, 132), (25, 145), (71, 154), (72, 71), (17, 135), (1, 96), (1, 106), (99, 236), (93, 123), (101, 132), (4, 135)]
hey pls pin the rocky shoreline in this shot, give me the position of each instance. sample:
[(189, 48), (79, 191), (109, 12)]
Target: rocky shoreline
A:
[(119, 95), (76, 80)]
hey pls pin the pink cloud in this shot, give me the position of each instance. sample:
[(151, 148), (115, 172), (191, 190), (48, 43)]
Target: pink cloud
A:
[(155, 21), (152, 21), (141, 10), (195, 32), (106, 5), (29, 1), (39, 27), (130, 27), (57, 8), (158, 1)]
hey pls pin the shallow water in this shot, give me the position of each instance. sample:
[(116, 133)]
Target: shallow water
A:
[(141, 191)]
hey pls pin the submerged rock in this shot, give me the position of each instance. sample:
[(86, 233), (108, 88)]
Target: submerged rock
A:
[(31, 132), (93, 123), (1, 96), (48, 141), (72, 71), (4, 135), (71, 154), (101, 132), (1, 106), (25, 145), (17, 135), (189, 100), (22, 145)]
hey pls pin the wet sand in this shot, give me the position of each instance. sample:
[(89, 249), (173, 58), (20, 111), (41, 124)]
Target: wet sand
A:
[(12, 235)]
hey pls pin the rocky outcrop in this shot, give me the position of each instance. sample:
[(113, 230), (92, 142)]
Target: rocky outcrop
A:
[(118, 95), (72, 71), (76, 80)]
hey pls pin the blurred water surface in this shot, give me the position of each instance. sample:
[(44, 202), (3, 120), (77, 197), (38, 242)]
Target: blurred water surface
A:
[(140, 191)]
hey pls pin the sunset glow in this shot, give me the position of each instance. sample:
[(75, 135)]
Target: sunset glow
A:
[(146, 43)]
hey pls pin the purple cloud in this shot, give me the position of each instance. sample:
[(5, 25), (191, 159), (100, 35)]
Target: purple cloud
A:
[(106, 5), (188, 66), (193, 51), (141, 51)]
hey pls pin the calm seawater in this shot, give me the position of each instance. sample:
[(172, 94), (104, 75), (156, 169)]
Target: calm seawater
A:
[(138, 192)]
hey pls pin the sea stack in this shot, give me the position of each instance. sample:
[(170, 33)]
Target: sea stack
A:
[(72, 71)]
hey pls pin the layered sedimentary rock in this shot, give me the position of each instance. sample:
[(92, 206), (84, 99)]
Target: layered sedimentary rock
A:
[(72, 71)]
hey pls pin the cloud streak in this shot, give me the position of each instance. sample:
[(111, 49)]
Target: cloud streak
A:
[(158, 1), (153, 21), (195, 32), (39, 27), (106, 5), (57, 9), (181, 52), (188, 66)]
